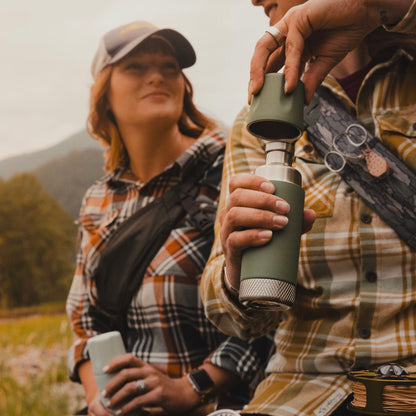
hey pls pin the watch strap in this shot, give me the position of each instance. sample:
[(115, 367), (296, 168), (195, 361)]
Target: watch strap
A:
[(202, 383)]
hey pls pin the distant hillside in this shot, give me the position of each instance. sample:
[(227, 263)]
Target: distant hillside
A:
[(68, 177), (30, 161)]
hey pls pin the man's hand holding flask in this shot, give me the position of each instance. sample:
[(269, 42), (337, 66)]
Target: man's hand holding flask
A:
[(264, 216)]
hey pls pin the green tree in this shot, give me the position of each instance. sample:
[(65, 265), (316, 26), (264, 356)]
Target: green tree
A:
[(37, 239)]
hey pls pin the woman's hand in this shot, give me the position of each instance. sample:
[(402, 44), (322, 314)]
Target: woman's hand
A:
[(155, 389), (251, 213), (95, 408), (321, 32)]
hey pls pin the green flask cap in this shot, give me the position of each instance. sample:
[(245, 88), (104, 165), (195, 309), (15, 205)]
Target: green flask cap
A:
[(275, 115)]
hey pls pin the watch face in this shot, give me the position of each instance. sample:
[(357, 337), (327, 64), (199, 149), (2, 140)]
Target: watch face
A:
[(224, 412), (202, 382)]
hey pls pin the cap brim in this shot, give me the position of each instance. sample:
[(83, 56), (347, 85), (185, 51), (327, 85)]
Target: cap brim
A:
[(184, 51)]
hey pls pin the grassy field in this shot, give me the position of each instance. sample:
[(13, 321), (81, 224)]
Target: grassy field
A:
[(33, 354)]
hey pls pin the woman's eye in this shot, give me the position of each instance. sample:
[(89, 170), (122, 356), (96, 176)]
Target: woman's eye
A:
[(168, 69), (171, 69), (136, 67)]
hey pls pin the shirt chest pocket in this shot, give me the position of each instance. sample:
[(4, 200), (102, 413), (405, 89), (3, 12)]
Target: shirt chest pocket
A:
[(97, 224), (397, 129)]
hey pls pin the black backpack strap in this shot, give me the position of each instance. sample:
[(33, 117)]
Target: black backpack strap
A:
[(393, 196), (131, 248), (201, 218), (202, 215)]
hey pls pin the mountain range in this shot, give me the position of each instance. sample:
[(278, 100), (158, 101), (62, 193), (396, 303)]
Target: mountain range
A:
[(65, 170), (27, 162)]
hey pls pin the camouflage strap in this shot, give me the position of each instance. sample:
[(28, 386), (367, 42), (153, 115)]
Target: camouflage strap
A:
[(392, 195)]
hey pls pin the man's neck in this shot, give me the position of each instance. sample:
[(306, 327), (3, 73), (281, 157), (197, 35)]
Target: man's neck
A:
[(354, 61)]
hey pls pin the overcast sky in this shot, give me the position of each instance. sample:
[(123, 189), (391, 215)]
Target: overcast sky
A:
[(47, 47)]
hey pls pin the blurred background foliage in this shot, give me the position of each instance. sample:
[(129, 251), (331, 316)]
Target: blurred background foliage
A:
[(40, 196), (33, 375), (37, 239)]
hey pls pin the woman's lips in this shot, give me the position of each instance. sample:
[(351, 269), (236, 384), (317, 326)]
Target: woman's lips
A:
[(156, 94)]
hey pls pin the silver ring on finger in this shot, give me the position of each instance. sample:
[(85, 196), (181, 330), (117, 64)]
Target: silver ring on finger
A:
[(141, 386), (277, 35)]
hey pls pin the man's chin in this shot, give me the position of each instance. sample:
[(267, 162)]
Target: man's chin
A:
[(273, 21)]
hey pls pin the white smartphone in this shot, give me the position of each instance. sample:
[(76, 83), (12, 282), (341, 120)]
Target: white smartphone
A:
[(103, 348)]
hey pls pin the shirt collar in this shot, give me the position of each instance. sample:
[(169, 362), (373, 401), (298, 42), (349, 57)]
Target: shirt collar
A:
[(333, 85), (207, 143)]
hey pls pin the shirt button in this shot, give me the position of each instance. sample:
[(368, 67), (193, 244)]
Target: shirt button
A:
[(366, 219), (319, 291), (308, 148), (371, 276), (364, 333)]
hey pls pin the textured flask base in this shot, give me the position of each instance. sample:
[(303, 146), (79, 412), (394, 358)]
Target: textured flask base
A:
[(267, 293)]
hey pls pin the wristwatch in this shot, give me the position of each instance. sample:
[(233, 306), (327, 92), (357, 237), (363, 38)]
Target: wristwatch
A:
[(202, 383)]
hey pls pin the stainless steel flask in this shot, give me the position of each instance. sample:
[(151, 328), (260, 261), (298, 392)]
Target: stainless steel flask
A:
[(269, 272)]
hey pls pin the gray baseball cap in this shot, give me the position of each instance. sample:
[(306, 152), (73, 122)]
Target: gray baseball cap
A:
[(119, 42)]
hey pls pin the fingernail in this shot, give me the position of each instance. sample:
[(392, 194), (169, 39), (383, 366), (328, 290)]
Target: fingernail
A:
[(250, 87), (267, 187), (108, 404), (104, 393), (280, 220), (282, 207), (265, 234), (118, 412), (105, 368)]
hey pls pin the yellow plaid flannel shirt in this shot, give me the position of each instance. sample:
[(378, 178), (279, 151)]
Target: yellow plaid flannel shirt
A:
[(356, 295)]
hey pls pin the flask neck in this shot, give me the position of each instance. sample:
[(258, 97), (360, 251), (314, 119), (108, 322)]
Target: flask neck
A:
[(278, 166), (281, 153)]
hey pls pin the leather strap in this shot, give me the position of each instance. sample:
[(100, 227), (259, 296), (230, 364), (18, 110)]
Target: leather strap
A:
[(393, 195)]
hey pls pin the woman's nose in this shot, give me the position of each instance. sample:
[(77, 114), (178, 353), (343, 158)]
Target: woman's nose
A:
[(154, 73)]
